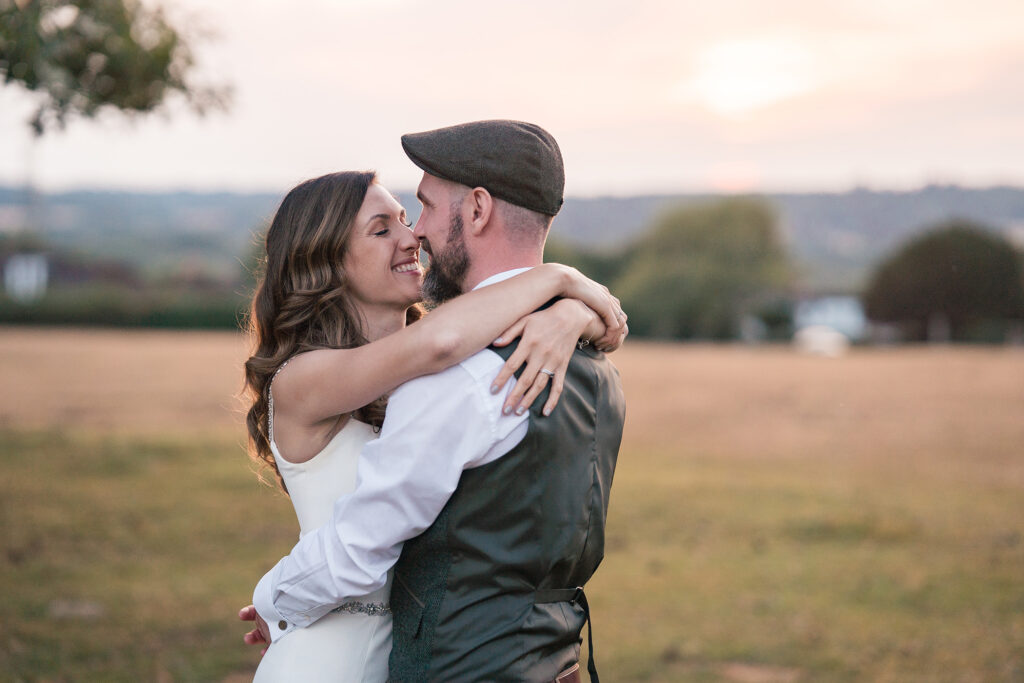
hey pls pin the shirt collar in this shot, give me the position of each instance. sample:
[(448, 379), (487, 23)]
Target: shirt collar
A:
[(498, 277)]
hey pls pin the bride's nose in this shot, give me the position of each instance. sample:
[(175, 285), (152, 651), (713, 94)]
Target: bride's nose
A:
[(408, 241)]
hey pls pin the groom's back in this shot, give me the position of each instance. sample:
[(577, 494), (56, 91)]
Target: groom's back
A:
[(482, 594)]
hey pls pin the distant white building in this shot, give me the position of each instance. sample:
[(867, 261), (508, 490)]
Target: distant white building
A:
[(827, 326), (1015, 234), (844, 314), (26, 276), (821, 340)]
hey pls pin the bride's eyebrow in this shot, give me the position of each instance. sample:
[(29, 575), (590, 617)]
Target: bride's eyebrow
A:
[(383, 216)]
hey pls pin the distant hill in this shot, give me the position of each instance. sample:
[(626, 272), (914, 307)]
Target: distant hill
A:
[(154, 231), (835, 237)]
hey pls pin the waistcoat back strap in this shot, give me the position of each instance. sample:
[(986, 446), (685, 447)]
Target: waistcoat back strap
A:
[(577, 596)]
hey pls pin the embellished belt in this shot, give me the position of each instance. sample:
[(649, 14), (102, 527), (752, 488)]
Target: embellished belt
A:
[(373, 609)]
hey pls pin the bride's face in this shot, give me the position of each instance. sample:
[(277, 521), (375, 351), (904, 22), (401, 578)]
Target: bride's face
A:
[(382, 258)]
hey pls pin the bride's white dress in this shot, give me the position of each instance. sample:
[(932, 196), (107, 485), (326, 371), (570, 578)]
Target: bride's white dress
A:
[(353, 642)]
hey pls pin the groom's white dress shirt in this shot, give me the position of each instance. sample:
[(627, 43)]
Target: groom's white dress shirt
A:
[(435, 427)]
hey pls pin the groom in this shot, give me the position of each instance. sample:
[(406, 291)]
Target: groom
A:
[(496, 520)]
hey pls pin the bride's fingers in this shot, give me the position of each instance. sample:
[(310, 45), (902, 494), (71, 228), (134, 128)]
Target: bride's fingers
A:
[(610, 343), (598, 298), (517, 358), (537, 386), (526, 380), (609, 313), (613, 336), (511, 333), (615, 343), (254, 637), (541, 378), (556, 392), (539, 381)]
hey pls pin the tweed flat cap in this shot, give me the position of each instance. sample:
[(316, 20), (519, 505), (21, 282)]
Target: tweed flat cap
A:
[(515, 161)]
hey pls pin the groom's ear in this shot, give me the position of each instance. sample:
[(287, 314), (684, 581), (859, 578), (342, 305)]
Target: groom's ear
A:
[(481, 204)]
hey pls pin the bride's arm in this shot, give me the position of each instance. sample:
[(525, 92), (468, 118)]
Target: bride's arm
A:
[(549, 338), (321, 384)]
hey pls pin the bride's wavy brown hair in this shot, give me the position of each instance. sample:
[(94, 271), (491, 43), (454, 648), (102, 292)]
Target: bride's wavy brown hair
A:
[(303, 301)]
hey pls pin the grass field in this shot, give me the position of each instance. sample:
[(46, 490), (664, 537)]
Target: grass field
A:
[(775, 517)]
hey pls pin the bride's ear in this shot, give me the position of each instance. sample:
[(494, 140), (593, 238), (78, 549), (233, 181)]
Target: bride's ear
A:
[(481, 204)]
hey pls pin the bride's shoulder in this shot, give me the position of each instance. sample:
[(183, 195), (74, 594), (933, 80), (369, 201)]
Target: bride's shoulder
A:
[(305, 370)]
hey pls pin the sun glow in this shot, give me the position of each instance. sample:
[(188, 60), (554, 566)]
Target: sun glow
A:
[(736, 77), (734, 176)]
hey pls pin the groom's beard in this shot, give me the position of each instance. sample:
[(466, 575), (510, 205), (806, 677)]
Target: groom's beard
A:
[(448, 268)]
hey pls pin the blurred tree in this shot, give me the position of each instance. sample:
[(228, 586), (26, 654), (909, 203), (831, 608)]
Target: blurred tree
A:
[(83, 56), (253, 264), (601, 266), (701, 268), (938, 286), (18, 242)]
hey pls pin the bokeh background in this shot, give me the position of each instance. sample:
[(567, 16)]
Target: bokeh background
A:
[(813, 213)]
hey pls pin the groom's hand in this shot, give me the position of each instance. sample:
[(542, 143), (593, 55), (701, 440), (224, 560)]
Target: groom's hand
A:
[(260, 634)]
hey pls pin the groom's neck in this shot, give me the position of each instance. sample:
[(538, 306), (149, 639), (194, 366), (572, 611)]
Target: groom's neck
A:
[(488, 262)]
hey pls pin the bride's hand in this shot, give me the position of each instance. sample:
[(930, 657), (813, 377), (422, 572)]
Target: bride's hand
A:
[(260, 634), (600, 300), (612, 340), (549, 338)]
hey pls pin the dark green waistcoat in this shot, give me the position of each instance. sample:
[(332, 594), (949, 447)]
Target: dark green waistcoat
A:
[(465, 595)]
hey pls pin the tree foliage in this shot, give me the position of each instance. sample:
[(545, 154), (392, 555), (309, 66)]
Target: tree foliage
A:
[(701, 268), (603, 266), (960, 271), (83, 56)]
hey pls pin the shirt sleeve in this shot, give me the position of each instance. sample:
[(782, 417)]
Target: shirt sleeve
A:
[(435, 427)]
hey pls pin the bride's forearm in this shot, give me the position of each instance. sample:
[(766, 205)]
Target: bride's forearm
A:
[(595, 327), (461, 327), (329, 382)]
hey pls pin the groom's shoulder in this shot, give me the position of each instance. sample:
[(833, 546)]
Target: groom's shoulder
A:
[(482, 365), (479, 368)]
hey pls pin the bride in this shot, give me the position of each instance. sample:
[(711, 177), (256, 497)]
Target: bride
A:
[(332, 328)]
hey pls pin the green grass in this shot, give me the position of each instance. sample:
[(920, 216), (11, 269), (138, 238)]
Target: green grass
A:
[(126, 559), (158, 541), (809, 571)]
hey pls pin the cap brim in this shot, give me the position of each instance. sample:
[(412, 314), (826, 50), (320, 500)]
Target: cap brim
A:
[(422, 148)]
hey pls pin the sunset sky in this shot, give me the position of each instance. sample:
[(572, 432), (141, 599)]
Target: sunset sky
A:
[(643, 96)]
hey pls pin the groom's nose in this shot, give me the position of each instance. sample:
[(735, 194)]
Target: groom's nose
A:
[(417, 229)]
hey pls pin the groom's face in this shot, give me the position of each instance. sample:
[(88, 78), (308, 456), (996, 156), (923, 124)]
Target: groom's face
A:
[(440, 231)]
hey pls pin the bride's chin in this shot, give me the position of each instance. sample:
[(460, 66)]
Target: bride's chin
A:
[(416, 298)]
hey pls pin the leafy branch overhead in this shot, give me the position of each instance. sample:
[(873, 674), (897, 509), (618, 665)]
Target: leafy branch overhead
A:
[(81, 57)]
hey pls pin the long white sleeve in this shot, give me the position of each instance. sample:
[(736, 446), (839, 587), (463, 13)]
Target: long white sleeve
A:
[(435, 427)]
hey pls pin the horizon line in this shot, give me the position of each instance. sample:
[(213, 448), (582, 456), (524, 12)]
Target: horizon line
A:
[(711, 192)]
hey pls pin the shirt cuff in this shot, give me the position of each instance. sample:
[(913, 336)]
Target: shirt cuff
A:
[(263, 601)]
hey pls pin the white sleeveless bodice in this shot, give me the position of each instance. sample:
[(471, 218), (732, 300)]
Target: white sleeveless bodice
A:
[(314, 485), (352, 643)]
